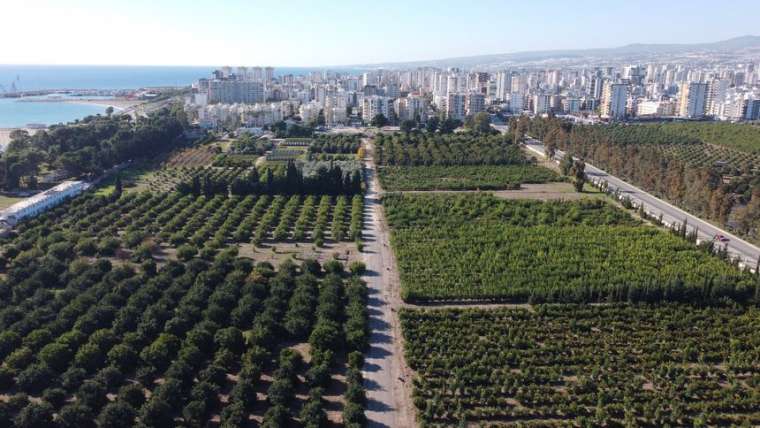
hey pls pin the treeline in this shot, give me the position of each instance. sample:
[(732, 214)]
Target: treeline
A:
[(89, 146), (247, 144), (635, 153), (290, 181), (414, 149), (333, 144)]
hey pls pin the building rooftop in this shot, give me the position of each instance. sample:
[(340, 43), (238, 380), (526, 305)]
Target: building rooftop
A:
[(20, 206)]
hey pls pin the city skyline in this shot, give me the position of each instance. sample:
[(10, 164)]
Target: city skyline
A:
[(300, 34)]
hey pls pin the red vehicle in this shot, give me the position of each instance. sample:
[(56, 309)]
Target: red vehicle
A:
[(721, 238)]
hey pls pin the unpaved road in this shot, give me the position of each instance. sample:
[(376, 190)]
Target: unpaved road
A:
[(386, 377)]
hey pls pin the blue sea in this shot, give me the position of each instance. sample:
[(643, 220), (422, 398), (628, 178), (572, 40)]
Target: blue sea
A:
[(15, 113), (42, 77)]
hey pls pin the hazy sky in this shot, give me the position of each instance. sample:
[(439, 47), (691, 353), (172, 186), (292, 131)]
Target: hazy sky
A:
[(317, 33)]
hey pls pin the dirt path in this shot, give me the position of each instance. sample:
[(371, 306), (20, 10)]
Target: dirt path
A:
[(544, 192), (386, 376)]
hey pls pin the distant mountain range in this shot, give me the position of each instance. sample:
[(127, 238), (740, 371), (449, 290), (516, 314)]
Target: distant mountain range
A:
[(632, 51)]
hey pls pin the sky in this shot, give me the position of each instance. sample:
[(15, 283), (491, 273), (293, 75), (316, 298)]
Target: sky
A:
[(330, 33)]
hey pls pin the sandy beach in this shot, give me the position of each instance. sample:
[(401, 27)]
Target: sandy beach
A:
[(116, 103)]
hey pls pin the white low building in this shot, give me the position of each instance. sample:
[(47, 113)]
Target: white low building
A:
[(42, 201)]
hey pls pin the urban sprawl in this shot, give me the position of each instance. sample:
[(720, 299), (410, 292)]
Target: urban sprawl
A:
[(253, 97)]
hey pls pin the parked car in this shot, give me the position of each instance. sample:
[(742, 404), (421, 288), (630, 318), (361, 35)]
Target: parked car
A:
[(721, 238)]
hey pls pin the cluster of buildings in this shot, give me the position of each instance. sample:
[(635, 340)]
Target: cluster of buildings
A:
[(258, 97), (722, 93)]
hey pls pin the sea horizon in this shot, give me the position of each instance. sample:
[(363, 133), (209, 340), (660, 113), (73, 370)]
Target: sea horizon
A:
[(117, 77)]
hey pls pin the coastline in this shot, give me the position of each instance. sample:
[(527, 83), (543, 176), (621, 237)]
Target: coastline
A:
[(120, 104)]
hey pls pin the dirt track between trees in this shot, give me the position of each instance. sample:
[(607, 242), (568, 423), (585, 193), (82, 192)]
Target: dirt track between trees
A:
[(386, 375)]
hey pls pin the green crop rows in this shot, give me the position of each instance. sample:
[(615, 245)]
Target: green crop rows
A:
[(454, 162), (479, 247), (566, 365), (463, 177)]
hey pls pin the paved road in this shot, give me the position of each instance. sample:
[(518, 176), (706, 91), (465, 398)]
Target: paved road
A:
[(654, 206), (384, 377)]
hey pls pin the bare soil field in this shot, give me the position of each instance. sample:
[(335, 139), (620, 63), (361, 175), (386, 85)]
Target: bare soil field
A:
[(196, 156)]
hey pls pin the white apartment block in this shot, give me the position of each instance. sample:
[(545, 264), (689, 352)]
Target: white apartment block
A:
[(541, 104), (235, 91), (716, 94), (693, 100), (614, 101), (41, 202), (335, 115), (411, 108), (374, 105), (309, 112), (656, 108)]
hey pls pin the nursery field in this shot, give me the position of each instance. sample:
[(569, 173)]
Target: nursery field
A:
[(463, 177), (567, 365), (193, 157), (478, 247), (455, 162), (145, 220), (729, 160), (457, 149)]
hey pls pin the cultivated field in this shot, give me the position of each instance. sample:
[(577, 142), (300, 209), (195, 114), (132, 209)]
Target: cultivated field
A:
[(566, 365), (181, 309), (193, 157), (475, 246), (463, 177)]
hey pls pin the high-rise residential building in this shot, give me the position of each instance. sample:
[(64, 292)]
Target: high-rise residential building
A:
[(370, 78), (516, 102), (392, 90), (269, 74), (503, 85), (235, 91), (456, 106), (374, 105), (553, 77), (309, 112), (572, 105), (411, 107), (634, 73), (476, 103), (518, 83), (452, 84), (692, 100), (716, 93), (614, 101), (257, 74), (541, 103), (597, 86), (753, 110)]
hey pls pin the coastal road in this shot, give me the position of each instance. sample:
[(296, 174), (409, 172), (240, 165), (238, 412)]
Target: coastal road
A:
[(386, 377), (671, 214)]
